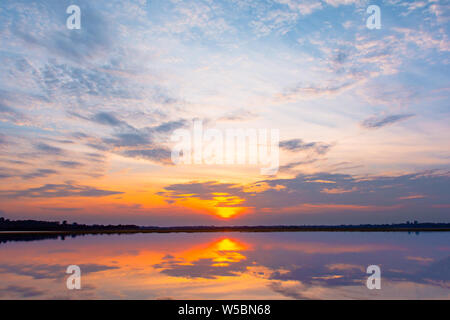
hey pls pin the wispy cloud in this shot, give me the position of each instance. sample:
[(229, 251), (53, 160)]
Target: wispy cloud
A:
[(295, 145), (21, 291), (48, 149), (161, 155), (239, 115), (381, 121), (10, 114), (324, 191), (58, 191), (69, 164), (296, 164), (39, 173)]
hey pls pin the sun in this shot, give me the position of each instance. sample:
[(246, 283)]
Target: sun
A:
[(228, 212)]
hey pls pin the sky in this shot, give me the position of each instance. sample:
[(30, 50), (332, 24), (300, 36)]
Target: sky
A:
[(87, 115)]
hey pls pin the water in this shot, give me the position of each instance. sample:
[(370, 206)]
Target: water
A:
[(298, 265)]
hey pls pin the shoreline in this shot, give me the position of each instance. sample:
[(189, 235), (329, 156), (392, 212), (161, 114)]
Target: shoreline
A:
[(224, 229)]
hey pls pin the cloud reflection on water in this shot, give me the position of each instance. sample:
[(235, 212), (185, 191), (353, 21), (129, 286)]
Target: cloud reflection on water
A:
[(229, 266)]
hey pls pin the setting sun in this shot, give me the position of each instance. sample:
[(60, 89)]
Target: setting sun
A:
[(228, 212)]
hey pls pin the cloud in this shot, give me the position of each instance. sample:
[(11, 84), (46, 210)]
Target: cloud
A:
[(50, 271), (195, 18), (6, 173), (289, 292), (292, 165), (435, 273), (276, 21), (389, 94), (338, 190), (66, 81), (23, 292), (106, 119), (425, 40), (11, 115), (324, 192), (337, 3), (368, 192), (170, 126), (302, 92), (49, 149), (299, 145), (304, 7), (202, 190), (205, 268), (129, 141), (69, 164), (239, 115), (283, 18), (322, 275), (378, 122), (132, 139), (39, 173), (349, 64), (93, 39), (161, 155), (61, 209), (58, 191)]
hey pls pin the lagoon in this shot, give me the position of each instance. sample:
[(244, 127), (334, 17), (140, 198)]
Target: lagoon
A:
[(221, 265)]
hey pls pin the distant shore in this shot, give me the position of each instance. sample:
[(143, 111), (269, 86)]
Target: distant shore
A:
[(17, 228), (229, 229)]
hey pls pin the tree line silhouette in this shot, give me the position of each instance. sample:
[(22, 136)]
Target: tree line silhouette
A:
[(56, 226), (37, 225)]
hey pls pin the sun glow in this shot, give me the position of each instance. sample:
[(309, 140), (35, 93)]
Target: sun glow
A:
[(221, 252), (228, 212)]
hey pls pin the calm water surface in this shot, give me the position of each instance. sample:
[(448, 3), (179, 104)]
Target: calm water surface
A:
[(299, 265)]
